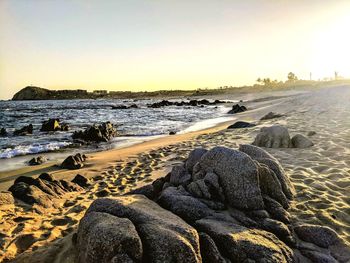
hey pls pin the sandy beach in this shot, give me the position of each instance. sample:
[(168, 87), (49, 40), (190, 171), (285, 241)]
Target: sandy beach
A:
[(320, 174)]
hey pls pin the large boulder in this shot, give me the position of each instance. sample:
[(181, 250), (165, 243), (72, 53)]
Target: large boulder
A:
[(238, 176), (241, 244), (193, 158), (103, 237), (97, 133), (301, 141), (165, 237), (276, 136), (26, 130)]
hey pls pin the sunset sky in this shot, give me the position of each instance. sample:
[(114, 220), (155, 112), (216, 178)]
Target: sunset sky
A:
[(150, 45)]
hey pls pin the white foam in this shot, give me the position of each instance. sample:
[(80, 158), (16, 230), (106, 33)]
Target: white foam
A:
[(31, 149)]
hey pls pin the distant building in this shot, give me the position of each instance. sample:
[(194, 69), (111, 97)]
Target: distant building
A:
[(100, 92)]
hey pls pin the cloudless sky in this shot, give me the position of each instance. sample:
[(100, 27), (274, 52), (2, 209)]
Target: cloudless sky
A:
[(151, 45)]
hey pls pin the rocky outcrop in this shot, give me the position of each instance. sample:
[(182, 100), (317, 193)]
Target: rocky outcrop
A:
[(277, 136), (73, 162), (241, 124), (237, 109), (32, 93), (41, 191), (234, 205), (96, 133), (26, 130), (37, 160)]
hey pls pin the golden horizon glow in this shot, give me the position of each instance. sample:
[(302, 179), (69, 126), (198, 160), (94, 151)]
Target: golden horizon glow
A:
[(151, 45)]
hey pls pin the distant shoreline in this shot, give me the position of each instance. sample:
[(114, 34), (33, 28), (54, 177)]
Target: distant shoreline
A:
[(37, 93)]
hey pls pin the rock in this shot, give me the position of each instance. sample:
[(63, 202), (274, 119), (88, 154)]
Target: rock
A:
[(146, 190), (165, 237), (106, 238), (241, 124), (255, 152), (271, 186), (237, 109), (37, 160), (209, 250), (271, 115), (181, 203), (47, 177), (73, 162), (30, 194), (199, 189), (124, 107), (103, 193), (275, 166), (318, 257), (276, 210), (278, 228), (172, 132), (193, 158), (51, 125), (311, 133), (96, 133), (81, 181), (241, 244), (26, 130), (301, 141), (3, 132), (273, 137), (179, 175), (6, 198), (238, 176), (321, 236)]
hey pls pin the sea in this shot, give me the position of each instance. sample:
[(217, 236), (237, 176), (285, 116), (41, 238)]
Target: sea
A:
[(134, 125)]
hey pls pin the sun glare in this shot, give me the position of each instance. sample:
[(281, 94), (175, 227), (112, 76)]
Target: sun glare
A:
[(331, 49)]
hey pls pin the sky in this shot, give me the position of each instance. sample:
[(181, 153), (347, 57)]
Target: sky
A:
[(183, 44)]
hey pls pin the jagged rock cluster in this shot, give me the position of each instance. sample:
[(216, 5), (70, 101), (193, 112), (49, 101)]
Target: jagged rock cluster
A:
[(44, 189), (26, 130), (237, 109), (37, 160), (53, 125), (73, 162), (203, 102), (96, 133), (277, 136), (221, 205)]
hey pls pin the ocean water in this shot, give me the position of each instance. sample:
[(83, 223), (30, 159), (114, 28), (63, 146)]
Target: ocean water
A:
[(134, 125)]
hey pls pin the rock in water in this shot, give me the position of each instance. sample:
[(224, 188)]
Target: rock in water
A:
[(241, 124), (51, 125), (26, 130), (37, 160), (97, 133), (164, 236), (276, 136), (74, 162), (3, 132), (301, 141)]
